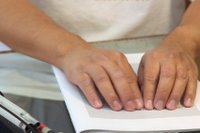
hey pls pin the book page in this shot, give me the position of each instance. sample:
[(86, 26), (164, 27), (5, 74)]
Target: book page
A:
[(3, 47), (88, 119)]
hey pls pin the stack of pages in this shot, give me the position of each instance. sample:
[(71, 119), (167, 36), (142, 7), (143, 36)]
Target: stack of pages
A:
[(89, 120)]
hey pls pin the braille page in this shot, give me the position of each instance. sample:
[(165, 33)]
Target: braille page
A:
[(86, 119)]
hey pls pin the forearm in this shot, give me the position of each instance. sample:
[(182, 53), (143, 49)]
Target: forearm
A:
[(187, 34), (27, 30), (191, 19)]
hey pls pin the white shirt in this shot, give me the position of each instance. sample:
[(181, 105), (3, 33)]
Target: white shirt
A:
[(100, 20)]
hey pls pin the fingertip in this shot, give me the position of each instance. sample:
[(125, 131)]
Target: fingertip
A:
[(188, 102), (97, 104), (159, 105), (130, 105), (116, 105), (149, 105), (171, 105), (139, 103)]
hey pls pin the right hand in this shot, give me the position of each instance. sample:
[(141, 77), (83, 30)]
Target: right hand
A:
[(102, 72)]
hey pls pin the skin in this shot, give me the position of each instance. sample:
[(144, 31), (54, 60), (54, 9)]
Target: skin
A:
[(168, 74), (27, 30), (107, 73)]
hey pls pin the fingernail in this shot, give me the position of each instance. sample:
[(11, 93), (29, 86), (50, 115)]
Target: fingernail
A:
[(149, 104), (130, 106), (171, 104), (159, 105), (117, 105), (188, 102), (97, 104), (139, 103)]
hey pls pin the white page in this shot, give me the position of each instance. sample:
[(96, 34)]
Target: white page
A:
[(85, 117), (3, 47)]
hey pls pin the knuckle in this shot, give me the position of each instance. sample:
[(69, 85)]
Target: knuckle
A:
[(176, 97), (118, 54), (84, 80), (163, 93), (193, 79), (150, 78), (167, 73), (98, 57), (149, 94), (172, 55), (151, 55), (182, 74), (118, 75), (89, 93), (193, 76), (131, 80), (78, 67), (112, 97), (146, 56), (75, 73), (101, 78)]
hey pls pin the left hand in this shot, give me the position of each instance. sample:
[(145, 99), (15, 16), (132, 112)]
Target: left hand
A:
[(168, 75)]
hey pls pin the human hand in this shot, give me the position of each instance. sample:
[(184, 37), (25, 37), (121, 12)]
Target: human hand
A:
[(166, 75), (101, 72)]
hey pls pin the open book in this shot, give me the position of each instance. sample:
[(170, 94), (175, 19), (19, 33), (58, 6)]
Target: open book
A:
[(86, 119)]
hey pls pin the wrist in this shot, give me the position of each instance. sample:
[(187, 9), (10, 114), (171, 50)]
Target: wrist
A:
[(184, 38), (67, 47)]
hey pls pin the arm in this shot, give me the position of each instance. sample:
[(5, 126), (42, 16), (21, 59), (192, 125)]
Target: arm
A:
[(169, 73), (27, 30), (190, 26)]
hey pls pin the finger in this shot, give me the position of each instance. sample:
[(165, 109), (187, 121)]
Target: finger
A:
[(179, 88), (132, 80), (140, 74), (150, 79), (165, 85), (104, 85), (84, 82), (119, 81), (190, 91)]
